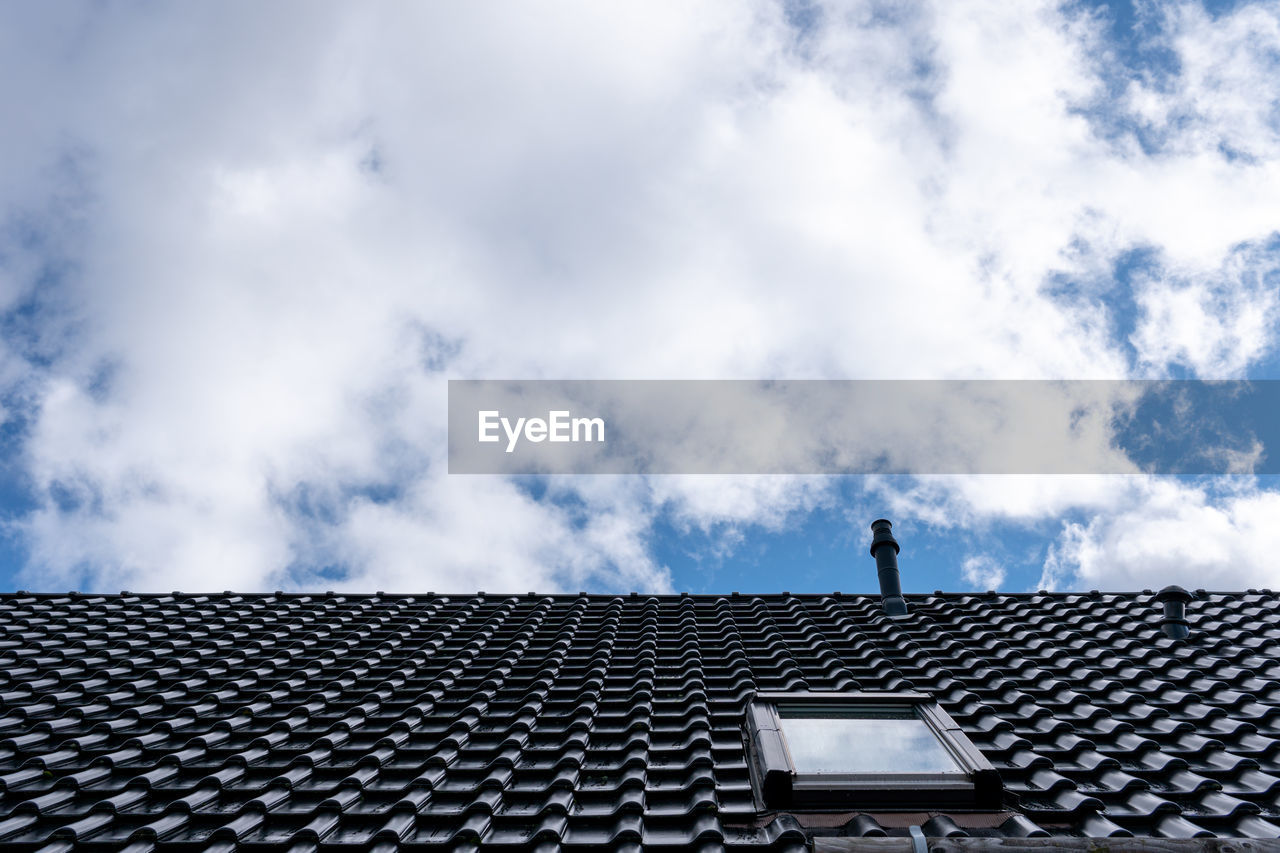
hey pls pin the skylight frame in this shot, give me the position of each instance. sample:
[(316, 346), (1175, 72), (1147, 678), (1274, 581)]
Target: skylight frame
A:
[(975, 786)]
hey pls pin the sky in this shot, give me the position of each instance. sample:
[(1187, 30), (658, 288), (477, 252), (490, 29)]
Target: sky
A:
[(244, 246)]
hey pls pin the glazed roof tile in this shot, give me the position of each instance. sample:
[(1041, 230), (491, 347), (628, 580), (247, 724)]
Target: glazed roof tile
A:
[(398, 723)]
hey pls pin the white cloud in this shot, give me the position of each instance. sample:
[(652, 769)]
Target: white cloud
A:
[(982, 572), (970, 501), (1122, 532), (276, 230), (1172, 533), (481, 533), (1223, 97), (1216, 323)]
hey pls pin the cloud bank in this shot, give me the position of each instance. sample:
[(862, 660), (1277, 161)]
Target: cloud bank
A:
[(241, 251)]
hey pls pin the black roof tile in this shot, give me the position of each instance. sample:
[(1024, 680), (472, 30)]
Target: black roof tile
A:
[(399, 723)]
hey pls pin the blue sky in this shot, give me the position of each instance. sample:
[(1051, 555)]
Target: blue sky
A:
[(243, 248)]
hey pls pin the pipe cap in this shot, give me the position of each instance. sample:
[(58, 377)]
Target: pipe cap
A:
[(882, 534), (1173, 592)]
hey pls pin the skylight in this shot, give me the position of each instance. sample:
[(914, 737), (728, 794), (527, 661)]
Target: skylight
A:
[(879, 750), (862, 739)]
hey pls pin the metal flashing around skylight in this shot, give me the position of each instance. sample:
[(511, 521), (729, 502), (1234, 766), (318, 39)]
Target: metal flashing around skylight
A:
[(865, 751)]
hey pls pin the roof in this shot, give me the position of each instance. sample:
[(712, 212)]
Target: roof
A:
[(360, 722)]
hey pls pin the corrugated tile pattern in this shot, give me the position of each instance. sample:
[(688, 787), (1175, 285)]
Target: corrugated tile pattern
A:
[(330, 722)]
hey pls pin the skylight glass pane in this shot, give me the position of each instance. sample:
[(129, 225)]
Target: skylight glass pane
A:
[(863, 740)]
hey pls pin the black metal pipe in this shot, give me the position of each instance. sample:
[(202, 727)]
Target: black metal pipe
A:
[(887, 567)]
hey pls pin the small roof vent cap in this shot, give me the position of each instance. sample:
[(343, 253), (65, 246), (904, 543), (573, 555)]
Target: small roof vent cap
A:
[(1174, 620), (1173, 592)]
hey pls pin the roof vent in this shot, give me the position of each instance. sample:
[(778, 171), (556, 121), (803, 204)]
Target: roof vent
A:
[(887, 567), (1174, 622)]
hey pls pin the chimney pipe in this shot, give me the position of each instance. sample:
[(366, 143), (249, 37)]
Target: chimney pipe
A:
[(1174, 622), (887, 567)]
